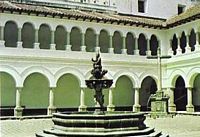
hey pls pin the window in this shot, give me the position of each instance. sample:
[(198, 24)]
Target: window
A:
[(141, 6), (181, 9)]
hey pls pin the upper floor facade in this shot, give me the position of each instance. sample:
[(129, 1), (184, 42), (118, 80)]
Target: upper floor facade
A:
[(149, 8)]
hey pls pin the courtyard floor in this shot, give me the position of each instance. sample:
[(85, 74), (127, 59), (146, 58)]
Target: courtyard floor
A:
[(178, 126)]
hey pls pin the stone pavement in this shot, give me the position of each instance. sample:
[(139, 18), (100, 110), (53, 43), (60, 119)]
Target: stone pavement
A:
[(178, 126)]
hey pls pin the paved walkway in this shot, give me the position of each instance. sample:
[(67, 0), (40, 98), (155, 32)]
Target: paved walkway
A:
[(179, 126)]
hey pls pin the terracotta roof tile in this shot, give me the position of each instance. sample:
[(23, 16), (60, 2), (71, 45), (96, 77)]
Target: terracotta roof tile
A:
[(92, 15), (189, 13)]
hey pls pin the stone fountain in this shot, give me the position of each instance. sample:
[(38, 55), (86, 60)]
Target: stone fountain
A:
[(99, 123)]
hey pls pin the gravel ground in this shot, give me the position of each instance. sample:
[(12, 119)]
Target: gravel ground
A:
[(178, 126)]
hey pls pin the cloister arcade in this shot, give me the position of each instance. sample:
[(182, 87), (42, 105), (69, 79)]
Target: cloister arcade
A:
[(67, 93), (64, 89), (77, 40)]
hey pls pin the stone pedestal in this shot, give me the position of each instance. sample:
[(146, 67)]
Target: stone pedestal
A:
[(172, 107), (188, 49), (136, 108), (190, 108), (53, 46), (179, 51), (83, 48), (148, 53), (159, 104), (82, 108), (136, 52), (110, 108), (124, 51), (51, 110), (97, 49), (19, 44), (110, 50), (36, 45), (68, 47), (2, 43), (18, 111)]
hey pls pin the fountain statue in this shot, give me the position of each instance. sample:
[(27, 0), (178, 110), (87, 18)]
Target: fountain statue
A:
[(99, 123), (98, 83)]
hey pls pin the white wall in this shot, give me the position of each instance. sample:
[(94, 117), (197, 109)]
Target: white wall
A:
[(154, 8)]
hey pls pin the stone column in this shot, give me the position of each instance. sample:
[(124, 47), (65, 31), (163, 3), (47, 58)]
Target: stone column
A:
[(187, 48), (136, 106), (178, 50), (189, 107), (83, 47), (124, 50), (68, 45), (110, 106), (19, 42), (36, 44), (136, 51), (18, 109), (51, 107), (148, 52), (2, 42), (170, 51), (197, 46), (82, 106), (172, 106), (53, 45), (110, 49), (97, 48)]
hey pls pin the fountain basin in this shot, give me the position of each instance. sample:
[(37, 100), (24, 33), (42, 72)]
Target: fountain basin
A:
[(91, 124)]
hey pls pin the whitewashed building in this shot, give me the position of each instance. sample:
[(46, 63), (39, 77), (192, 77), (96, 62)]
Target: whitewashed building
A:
[(46, 47)]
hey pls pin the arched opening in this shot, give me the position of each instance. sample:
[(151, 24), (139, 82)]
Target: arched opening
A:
[(117, 42), (174, 44), (130, 43), (34, 95), (123, 94), (44, 36), (7, 94), (60, 38), (11, 34), (148, 88), (28, 37), (153, 45), (75, 39), (104, 41), (67, 93), (196, 93), (183, 42), (90, 40), (192, 40), (180, 95), (142, 44)]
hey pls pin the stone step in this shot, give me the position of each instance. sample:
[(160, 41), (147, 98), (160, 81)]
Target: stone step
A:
[(86, 129), (45, 135), (144, 132)]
